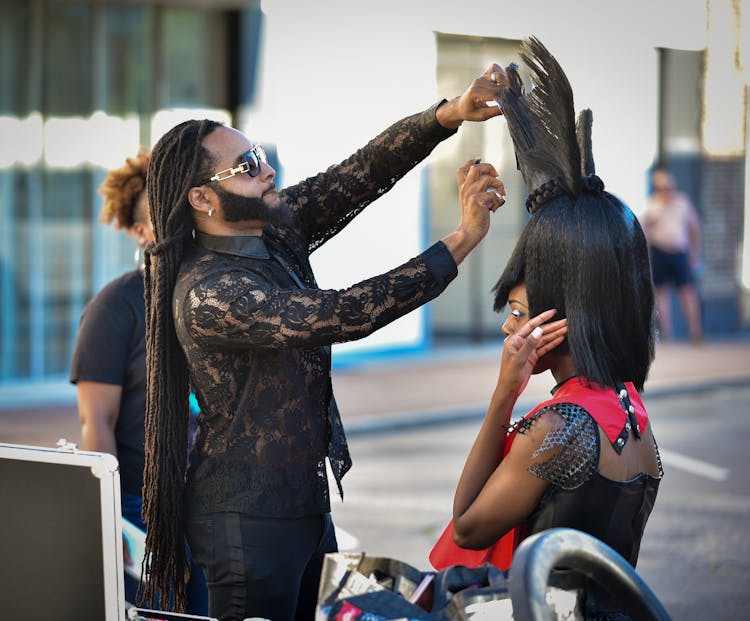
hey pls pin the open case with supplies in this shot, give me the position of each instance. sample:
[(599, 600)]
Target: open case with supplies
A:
[(60, 534)]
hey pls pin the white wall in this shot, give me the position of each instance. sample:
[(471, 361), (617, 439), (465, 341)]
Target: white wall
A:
[(336, 72)]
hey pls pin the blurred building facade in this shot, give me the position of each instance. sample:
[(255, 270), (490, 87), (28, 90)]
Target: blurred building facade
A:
[(84, 83)]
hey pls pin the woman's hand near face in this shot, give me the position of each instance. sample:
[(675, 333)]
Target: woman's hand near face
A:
[(493, 495), (523, 349)]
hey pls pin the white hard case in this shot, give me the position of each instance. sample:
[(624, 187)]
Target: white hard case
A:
[(60, 534)]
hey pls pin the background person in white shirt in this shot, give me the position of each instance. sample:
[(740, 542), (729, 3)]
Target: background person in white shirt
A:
[(673, 232)]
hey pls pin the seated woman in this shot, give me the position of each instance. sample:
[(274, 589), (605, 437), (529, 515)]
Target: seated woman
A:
[(586, 458)]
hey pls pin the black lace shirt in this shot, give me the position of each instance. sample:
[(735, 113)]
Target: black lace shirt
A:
[(256, 331)]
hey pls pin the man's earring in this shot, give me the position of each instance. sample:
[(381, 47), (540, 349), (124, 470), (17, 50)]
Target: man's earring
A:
[(210, 212)]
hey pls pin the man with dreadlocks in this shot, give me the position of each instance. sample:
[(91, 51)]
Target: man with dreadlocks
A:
[(586, 458), (233, 309), (109, 360)]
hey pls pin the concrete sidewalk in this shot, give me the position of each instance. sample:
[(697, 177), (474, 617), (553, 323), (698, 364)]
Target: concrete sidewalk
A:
[(443, 384), (459, 382)]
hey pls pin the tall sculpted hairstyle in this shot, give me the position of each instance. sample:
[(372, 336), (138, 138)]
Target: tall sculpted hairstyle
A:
[(122, 188), (583, 251), (178, 162)]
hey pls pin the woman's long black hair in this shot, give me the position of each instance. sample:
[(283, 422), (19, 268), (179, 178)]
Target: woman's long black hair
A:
[(587, 258), (583, 251)]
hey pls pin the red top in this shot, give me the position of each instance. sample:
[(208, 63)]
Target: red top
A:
[(604, 406)]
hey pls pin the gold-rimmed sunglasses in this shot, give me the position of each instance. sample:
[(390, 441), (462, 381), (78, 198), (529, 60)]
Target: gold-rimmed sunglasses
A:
[(251, 163)]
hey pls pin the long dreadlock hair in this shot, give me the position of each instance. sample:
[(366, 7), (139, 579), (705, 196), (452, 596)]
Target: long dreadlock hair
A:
[(583, 251), (178, 162)]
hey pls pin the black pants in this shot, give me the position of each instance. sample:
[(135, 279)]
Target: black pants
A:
[(261, 567)]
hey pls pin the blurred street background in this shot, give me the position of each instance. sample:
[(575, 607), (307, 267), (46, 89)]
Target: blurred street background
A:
[(83, 84)]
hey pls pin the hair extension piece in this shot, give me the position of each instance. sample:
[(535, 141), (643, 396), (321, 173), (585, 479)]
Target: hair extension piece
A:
[(583, 137), (582, 252), (178, 161), (542, 123)]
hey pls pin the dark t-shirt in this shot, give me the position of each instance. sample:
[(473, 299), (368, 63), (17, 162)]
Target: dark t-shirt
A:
[(111, 349)]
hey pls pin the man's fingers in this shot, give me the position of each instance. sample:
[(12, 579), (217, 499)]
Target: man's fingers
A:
[(477, 178), (463, 171), (496, 74)]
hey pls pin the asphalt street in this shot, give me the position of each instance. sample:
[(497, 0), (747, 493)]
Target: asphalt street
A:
[(696, 549)]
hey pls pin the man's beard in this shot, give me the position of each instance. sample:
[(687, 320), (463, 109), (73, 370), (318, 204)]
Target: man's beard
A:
[(239, 208)]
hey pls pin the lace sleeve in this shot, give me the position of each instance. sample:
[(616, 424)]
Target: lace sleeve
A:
[(569, 454), (235, 307)]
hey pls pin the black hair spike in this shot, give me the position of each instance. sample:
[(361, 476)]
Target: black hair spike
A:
[(542, 122)]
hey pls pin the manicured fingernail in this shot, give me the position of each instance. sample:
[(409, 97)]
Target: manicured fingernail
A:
[(537, 332)]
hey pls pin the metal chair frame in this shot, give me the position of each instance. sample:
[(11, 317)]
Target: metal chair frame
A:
[(539, 554)]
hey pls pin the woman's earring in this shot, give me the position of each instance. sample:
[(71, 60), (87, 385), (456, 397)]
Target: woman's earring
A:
[(210, 212)]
